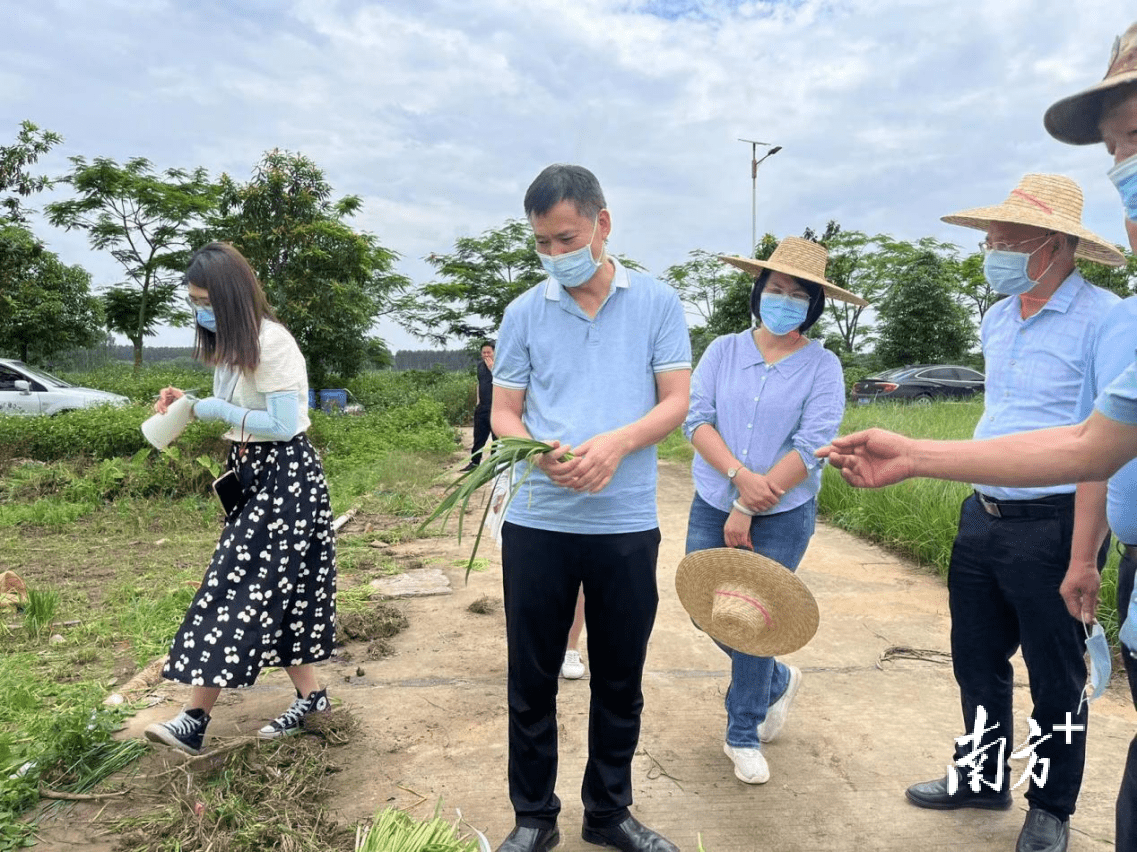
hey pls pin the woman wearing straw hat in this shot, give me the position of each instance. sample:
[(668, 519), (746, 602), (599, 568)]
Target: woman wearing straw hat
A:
[(762, 401)]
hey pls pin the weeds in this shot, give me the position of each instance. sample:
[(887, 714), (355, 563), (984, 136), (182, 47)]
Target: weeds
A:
[(39, 611), (260, 796)]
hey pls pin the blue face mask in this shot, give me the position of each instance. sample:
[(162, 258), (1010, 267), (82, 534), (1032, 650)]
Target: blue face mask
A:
[(575, 267), (1101, 665), (206, 319), (1005, 271), (1124, 177), (781, 314)]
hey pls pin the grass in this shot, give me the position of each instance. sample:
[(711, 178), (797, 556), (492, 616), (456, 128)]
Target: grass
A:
[(919, 517)]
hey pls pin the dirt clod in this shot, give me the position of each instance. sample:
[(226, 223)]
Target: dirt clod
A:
[(380, 622), (485, 605)]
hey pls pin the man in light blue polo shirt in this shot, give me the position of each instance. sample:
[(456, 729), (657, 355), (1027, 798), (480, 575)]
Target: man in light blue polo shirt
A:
[(1013, 545), (597, 361)]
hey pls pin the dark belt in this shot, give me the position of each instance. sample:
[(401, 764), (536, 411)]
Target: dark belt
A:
[(1040, 507)]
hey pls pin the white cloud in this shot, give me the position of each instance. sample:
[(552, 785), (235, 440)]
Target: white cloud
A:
[(438, 113)]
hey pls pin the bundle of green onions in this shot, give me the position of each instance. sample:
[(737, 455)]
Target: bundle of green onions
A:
[(503, 455), (394, 831)]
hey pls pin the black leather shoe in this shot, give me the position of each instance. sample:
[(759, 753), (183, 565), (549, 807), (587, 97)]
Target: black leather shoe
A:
[(523, 839), (1043, 832), (629, 836), (935, 795)]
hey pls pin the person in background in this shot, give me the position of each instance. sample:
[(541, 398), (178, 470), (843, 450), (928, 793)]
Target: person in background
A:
[(573, 667), (596, 361), (269, 595), (762, 401), (483, 405)]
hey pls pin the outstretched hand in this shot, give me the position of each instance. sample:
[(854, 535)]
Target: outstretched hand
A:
[(871, 459)]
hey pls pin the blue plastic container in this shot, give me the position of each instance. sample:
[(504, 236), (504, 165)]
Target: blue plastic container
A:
[(312, 400), (333, 400)]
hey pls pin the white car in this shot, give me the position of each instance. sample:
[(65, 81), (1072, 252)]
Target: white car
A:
[(26, 390)]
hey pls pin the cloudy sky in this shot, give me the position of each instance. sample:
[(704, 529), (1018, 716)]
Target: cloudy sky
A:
[(439, 113)]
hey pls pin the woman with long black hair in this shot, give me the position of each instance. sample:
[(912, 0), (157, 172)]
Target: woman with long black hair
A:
[(269, 596)]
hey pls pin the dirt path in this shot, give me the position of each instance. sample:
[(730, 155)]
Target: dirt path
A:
[(434, 717)]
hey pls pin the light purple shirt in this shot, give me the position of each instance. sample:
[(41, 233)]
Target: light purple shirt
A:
[(764, 411)]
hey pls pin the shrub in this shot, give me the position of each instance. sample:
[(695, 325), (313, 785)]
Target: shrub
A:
[(144, 386), (381, 391)]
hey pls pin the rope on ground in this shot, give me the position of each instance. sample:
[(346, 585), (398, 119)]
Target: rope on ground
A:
[(659, 771), (904, 652)]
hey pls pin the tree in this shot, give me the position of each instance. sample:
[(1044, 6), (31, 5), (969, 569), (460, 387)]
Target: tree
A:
[(144, 220), (327, 282), (920, 321), (477, 280), (31, 143), (973, 286), (45, 306), (1118, 279)]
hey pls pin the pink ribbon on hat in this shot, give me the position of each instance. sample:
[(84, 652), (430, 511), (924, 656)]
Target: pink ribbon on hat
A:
[(1033, 200), (749, 600)]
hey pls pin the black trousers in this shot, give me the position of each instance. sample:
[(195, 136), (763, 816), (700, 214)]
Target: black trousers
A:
[(541, 572), (1003, 591), (482, 433), (1126, 839)]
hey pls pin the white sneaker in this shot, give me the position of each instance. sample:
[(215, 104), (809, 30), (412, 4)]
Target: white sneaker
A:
[(572, 668), (776, 713), (749, 764)]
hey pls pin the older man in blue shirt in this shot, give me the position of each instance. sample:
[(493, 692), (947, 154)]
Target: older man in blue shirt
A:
[(1013, 545), (596, 360)]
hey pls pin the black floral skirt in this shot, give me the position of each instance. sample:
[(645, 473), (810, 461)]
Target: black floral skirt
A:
[(269, 596)]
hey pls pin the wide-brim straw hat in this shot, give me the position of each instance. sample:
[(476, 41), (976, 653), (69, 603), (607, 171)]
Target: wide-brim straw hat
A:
[(1075, 119), (802, 259), (746, 601), (1052, 202)]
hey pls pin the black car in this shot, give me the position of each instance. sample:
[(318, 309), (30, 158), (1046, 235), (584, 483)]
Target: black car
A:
[(920, 383)]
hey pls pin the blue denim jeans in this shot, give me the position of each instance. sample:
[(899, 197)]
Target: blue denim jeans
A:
[(755, 682)]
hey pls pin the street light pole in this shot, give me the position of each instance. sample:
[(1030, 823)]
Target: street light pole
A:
[(754, 163)]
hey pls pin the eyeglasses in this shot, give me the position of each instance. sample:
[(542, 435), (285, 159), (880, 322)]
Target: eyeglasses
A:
[(796, 295), (194, 302), (986, 245)]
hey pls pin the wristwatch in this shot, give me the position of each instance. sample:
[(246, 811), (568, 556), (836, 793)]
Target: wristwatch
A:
[(731, 473)]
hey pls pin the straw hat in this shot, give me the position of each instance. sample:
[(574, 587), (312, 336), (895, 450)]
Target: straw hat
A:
[(1075, 119), (802, 259), (746, 601), (1053, 202)]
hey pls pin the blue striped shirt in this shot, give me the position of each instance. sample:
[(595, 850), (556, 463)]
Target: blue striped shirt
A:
[(1119, 400), (586, 375), (1112, 354), (1035, 367), (764, 411)]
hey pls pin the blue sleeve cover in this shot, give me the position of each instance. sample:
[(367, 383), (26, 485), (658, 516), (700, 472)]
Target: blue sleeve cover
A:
[(278, 422)]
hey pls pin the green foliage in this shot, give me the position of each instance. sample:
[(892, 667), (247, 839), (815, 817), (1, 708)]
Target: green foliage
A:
[(143, 386), (31, 144), (1118, 279), (454, 391), (973, 286), (919, 517), (476, 282), (920, 322), (45, 306), (39, 612), (327, 282), (144, 220)]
